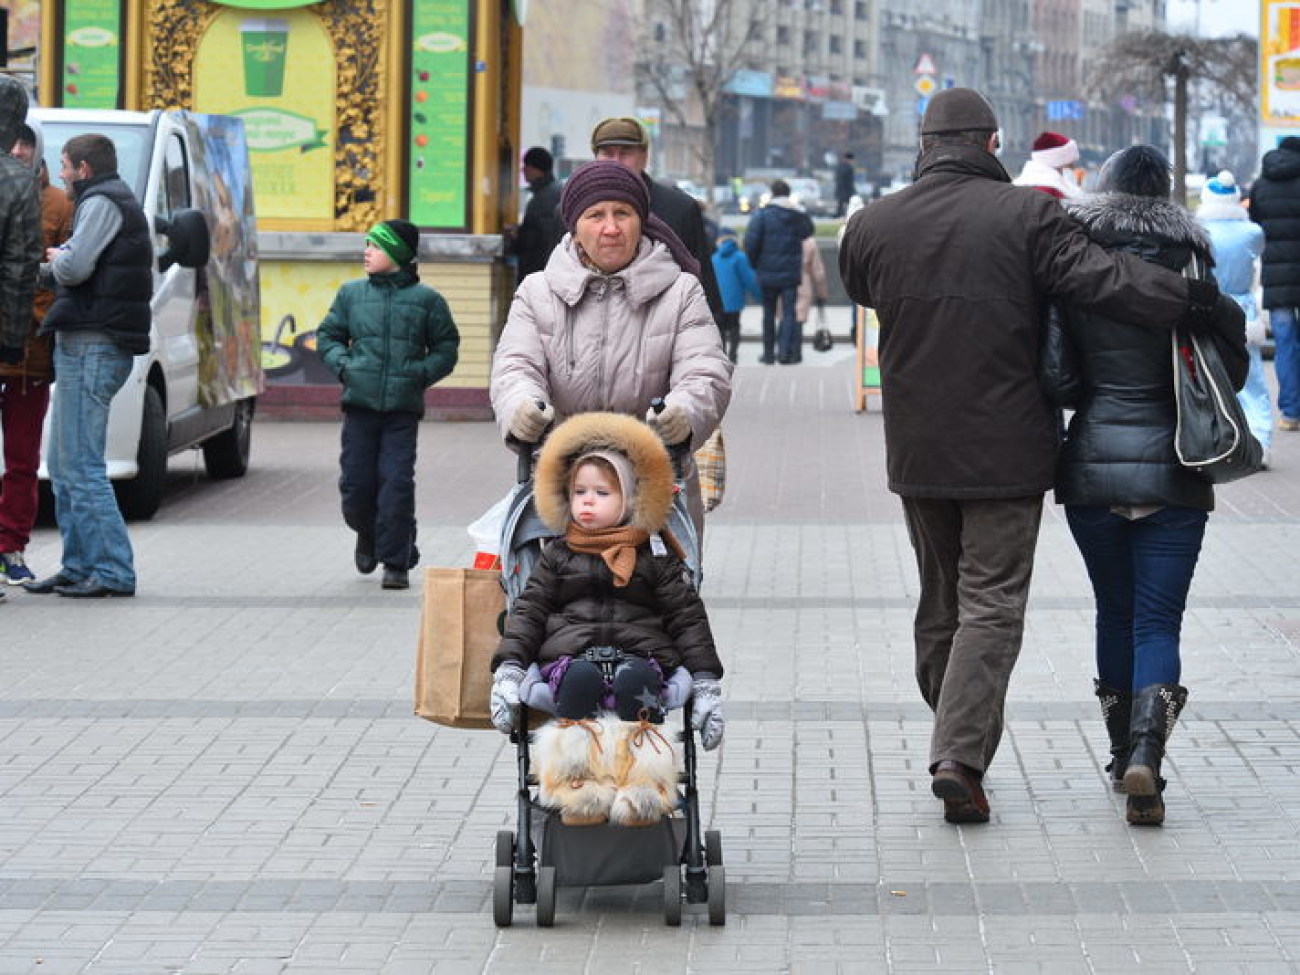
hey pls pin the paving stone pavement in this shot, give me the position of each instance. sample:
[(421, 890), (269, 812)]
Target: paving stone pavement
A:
[(223, 775)]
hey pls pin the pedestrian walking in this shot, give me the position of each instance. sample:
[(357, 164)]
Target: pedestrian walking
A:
[(1136, 513), (541, 227), (957, 266), (1275, 206), (1048, 167), (736, 281), (774, 242), (812, 288), (624, 139), (387, 338), (845, 184), (101, 320), (619, 292), (25, 385), (1237, 244)]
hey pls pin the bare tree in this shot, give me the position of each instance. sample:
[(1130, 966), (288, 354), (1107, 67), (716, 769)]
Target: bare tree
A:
[(1225, 69), (690, 49)]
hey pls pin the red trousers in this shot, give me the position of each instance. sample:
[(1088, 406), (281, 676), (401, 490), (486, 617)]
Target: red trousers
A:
[(22, 413)]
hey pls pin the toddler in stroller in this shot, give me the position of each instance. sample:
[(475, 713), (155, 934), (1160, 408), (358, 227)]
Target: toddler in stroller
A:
[(610, 625)]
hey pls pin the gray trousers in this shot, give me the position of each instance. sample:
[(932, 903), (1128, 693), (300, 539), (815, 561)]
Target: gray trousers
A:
[(975, 560)]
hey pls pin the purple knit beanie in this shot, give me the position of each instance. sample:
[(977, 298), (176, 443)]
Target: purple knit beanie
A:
[(605, 179)]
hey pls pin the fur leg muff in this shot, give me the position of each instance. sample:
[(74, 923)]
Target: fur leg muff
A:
[(572, 760), (646, 773)]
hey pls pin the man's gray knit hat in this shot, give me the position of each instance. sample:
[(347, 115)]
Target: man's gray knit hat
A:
[(958, 110)]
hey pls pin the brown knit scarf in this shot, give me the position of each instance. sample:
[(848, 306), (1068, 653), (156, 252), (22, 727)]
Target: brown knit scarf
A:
[(617, 546)]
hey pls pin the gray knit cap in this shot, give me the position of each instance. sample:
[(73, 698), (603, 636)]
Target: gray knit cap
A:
[(958, 110)]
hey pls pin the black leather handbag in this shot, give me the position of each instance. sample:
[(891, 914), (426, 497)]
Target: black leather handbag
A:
[(1212, 435)]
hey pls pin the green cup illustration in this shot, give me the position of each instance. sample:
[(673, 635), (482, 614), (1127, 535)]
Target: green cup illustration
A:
[(265, 43)]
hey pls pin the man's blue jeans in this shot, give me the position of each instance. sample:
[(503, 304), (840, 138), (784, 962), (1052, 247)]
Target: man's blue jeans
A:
[(1140, 570), (89, 370), (1286, 360), (785, 296)]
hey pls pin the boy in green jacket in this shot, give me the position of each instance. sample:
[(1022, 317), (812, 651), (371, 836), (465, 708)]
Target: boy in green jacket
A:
[(388, 339)]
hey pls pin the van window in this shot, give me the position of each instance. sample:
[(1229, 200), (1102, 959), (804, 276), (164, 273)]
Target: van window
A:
[(131, 141), (174, 190)]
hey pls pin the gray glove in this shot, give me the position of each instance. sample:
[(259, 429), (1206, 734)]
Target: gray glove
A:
[(503, 704), (530, 421), (706, 711), (672, 425)]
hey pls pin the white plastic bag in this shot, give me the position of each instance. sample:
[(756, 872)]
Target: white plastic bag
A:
[(486, 532)]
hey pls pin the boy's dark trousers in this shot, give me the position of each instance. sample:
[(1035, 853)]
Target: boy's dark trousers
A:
[(730, 321), (377, 481)]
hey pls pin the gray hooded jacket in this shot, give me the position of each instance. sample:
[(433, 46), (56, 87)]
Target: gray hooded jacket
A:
[(20, 222)]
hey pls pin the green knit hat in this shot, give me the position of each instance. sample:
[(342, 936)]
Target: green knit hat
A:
[(399, 239)]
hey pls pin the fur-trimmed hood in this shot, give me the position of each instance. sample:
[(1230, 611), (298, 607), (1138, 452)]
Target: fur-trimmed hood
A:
[(1126, 214), (585, 432)]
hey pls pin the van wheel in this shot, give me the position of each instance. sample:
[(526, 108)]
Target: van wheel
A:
[(226, 454), (138, 498)]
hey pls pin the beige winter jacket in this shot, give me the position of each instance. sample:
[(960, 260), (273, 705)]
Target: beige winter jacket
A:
[(812, 283), (581, 340)]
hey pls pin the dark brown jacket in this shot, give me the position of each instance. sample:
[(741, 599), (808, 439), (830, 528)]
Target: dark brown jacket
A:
[(959, 267)]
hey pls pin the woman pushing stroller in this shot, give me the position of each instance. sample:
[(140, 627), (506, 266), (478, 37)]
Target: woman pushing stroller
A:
[(608, 615)]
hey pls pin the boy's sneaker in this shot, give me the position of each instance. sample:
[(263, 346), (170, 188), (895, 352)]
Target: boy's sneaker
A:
[(14, 568)]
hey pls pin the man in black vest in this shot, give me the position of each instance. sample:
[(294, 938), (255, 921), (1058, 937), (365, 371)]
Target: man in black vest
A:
[(100, 319)]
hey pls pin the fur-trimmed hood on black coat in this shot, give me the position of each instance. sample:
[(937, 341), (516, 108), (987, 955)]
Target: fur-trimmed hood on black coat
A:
[(1119, 447), (571, 602)]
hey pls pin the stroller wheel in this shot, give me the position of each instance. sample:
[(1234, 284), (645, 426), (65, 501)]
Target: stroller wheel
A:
[(712, 847), (505, 848), (673, 896), (503, 896), (545, 897), (717, 895)]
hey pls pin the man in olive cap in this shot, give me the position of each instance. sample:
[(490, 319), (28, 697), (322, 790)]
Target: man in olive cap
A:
[(958, 267), (625, 140)]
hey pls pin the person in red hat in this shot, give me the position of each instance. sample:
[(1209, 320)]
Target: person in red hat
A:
[(1049, 164)]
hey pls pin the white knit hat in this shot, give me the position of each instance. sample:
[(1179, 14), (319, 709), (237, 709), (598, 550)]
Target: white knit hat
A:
[(1055, 150), (1221, 189)]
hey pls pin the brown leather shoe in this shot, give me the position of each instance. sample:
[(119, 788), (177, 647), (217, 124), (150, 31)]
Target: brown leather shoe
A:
[(963, 796)]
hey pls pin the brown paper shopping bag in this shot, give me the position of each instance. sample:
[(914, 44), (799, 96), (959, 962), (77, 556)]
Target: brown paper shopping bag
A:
[(460, 625)]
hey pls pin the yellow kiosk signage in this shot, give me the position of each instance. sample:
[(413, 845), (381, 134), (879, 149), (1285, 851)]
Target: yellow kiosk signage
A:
[(284, 92)]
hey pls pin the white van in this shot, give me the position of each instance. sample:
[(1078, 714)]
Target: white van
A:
[(198, 384)]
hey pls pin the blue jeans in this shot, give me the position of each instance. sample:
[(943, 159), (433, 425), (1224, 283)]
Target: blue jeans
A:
[(786, 297), (1140, 571), (90, 368), (1286, 360), (1255, 400)]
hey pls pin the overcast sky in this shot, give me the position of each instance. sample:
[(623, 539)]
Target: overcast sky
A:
[(1217, 17)]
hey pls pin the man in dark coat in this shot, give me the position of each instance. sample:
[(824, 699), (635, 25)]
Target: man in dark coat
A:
[(958, 267), (541, 228), (845, 184), (1275, 206), (774, 242), (624, 139)]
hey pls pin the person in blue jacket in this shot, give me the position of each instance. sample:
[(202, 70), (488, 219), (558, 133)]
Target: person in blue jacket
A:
[(736, 280), (1237, 244), (387, 338)]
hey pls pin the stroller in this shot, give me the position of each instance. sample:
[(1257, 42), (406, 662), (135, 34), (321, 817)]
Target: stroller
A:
[(542, 853)]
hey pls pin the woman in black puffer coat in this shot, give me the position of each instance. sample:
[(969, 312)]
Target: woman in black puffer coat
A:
[(1137, 515)]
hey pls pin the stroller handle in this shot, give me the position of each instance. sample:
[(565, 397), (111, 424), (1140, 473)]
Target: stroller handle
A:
[(524, 461), (677, 452)]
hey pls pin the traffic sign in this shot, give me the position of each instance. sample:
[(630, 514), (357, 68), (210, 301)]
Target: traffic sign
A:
[(925, 85), (925, 65)]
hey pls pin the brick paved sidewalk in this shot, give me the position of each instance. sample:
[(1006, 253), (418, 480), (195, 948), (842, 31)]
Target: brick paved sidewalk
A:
[(223, 776)]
